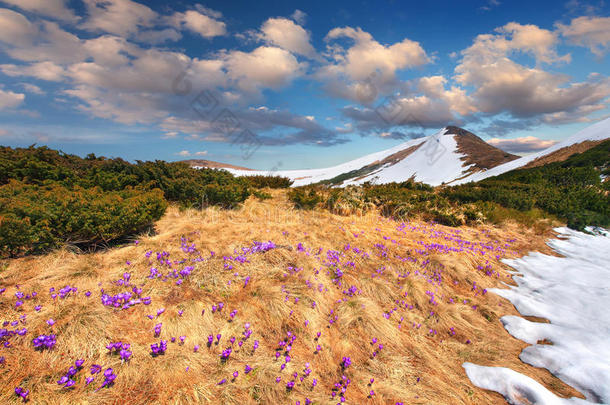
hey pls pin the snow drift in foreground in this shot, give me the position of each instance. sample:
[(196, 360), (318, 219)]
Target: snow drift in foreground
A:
[(573, 293), (517, 388)]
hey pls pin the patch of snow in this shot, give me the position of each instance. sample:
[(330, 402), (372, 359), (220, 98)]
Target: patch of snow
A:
[(516, 388), (573, 293)]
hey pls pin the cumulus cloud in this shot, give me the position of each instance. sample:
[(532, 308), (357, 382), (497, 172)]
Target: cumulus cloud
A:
[(426, 102), (503, 85), (41, 70), (156, 36), (49, 8), (456, 98), (590, 32), (120, 17), (410, 111), (200, 23), (287, 35), (265, 66), (367, 68), (123, 107), (527, 144), (16, 29), (187, 153), (8, 99), (45, 40), (299, 16), (32, 88)]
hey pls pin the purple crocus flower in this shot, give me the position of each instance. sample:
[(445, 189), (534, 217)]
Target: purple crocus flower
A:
[(22, 392), (125, 354)]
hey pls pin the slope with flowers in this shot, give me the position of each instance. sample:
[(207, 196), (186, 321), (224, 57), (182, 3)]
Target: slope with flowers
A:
[(321, 307)]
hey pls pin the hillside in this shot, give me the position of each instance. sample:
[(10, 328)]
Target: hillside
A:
[(363, 307), (451, 156), (210, 164), (579, 142), (445, 156)]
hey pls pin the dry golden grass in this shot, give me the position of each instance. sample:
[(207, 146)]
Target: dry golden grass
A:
[(414, 367)]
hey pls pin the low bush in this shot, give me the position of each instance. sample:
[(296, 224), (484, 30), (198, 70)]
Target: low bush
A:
[(261, 195), (35, 218), (260, 181), (304, 198)]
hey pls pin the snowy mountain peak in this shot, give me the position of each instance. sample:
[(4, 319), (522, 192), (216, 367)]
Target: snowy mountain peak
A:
[(453, 155)]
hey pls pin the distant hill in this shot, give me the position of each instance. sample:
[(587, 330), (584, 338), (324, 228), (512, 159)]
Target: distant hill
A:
[(197, 163), (578, 143), (451, 156)]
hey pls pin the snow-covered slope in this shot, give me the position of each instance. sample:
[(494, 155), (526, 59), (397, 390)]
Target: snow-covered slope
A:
[(573, 292), (595, 132), (435, 162), (309, 176), (433, 159), (451, 156)]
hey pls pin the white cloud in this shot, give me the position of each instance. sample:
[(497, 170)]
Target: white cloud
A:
[(16, 29), (456, 98), (8, 99), (32, 88), (200, 23), (184, 153), (502, 85), (156, 36), (50, 8), (367, 68), (120, 17), (299, 16), (525, 144), (367, 56), (287, 35), (42, 70), (45, 41), (126, 108), (590, 32), (201, 153), (265, 66)]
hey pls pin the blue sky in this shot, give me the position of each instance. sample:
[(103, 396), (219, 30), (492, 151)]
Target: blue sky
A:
[(296, 84)]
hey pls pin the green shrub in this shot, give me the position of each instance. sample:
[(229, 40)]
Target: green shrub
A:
[(36, 218), (261, 195), (260, 181), (178, 181), (304, 198)]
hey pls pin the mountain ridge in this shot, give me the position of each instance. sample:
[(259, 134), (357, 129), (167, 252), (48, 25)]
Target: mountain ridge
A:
[(451, 156)]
